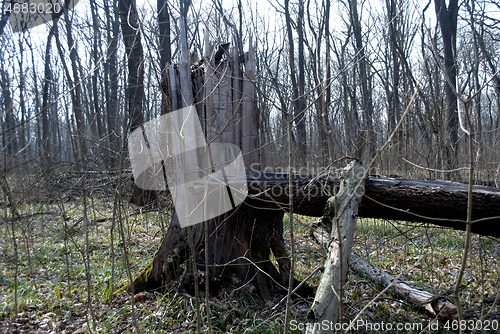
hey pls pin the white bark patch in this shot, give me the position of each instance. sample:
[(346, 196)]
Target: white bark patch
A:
[(334, 252)]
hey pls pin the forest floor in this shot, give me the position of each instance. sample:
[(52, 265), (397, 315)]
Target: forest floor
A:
[(54, 272)]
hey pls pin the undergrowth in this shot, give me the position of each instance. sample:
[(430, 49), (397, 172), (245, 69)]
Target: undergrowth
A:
[(52, 297)]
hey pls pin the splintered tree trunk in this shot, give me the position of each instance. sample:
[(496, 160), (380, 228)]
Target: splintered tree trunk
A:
[(241, 241), (341, 210)]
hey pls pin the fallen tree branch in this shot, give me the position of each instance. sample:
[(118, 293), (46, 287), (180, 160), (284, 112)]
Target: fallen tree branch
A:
[(436, 305), (341, 214)]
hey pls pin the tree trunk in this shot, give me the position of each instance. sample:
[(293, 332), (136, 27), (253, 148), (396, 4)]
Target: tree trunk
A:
[(364, 79), (447, 18), (296, 80), (135, 86), (9, 137), (76, 95), (164, 46), (441, 203), (95, 116), (240, 244), (341, 213), (394, 106), (46, 161), (164, 38), (111, 83), (300, 105)]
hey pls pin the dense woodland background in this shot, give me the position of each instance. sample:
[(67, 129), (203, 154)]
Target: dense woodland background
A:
[(354, 66), (346, 73)]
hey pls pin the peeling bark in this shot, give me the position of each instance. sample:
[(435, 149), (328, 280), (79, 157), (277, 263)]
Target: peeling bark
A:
[(341, 211)]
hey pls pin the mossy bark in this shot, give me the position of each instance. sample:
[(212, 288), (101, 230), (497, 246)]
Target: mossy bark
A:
[(240, 243)]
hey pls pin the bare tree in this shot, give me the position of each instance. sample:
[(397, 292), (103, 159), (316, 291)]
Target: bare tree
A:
[(164, 37), (297, 78), (9, 138), (73, 79), (364, 77), (46, 143), (447, 18), (111, 81), (131, 32)]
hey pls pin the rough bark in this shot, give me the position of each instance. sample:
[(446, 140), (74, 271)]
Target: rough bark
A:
[(442, 203), (447, 18), (111, 83), (135, 86), (341, 211), (240, 246), (134, 54)]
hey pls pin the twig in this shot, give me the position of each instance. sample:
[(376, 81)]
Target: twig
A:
[(299, 286), (437, 170)]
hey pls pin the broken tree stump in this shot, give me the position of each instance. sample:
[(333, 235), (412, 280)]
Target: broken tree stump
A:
[(341, 211), (240, 245), (240, 242)]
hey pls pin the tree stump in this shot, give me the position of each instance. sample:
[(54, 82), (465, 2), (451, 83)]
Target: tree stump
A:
[(240, 241), (240, 245)]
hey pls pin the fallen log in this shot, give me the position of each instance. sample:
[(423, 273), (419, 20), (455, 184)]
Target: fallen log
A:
[(435, 202)]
